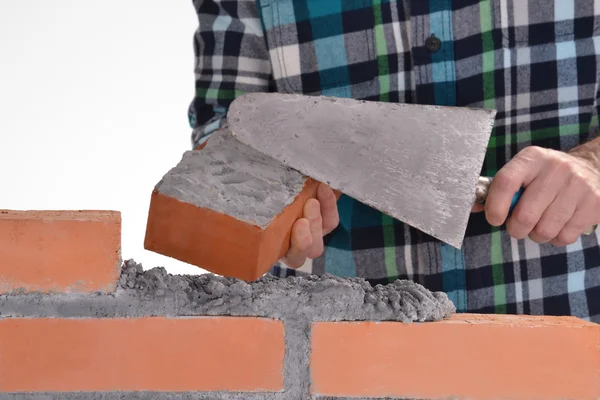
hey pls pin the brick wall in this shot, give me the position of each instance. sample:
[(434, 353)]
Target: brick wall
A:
[(77, 323)]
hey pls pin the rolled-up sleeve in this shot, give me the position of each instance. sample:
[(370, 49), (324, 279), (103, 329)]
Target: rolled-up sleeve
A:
[(231, 58)]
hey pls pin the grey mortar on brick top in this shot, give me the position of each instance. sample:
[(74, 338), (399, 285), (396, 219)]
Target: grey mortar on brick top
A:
[(226, 176), (316, 298), (173, 396), (297, 301)]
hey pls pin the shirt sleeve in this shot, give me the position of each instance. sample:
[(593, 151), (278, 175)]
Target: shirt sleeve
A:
[(231, 58)]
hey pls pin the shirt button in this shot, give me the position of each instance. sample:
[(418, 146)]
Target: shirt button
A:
[(433, 44)]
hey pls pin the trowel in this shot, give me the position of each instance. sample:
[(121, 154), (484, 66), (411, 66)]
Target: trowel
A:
[(419, 164)]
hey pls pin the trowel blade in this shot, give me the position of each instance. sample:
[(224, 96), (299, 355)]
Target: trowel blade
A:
[(416, 163)]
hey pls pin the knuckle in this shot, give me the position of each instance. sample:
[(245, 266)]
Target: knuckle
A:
[(300, 245), (591, 208), (546, 232), (316, 219), (514, 231), (564, 167), (514, 234), (533, 237), (312, 206), (533, 151), (325, 193), (580, 227), (305, 245), (525, 217), (293, 262), (577, 178), (567, 237), (504, 181)]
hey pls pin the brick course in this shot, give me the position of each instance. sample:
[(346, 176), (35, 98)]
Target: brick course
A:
[(151, 335), (468, 356), (59, 251), (148, 354)]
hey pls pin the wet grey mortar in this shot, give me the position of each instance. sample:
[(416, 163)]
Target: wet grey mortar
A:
[(227, 175), (297, 301), (175, 396)]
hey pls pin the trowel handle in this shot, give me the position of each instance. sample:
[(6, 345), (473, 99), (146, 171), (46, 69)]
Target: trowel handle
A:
[(481, 192)]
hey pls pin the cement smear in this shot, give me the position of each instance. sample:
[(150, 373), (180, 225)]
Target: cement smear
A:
[(314, 298), (227, 175), (169, 396), (297, 301)]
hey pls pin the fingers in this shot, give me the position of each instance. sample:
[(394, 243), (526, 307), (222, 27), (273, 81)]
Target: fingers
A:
[(329, 210), (301, 242), (561, 200), (556, 216), (518, 172), (320, 217), (535, 201), (312, 212), (576, 226)]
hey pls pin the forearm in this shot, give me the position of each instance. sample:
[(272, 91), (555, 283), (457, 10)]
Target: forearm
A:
[(231, 58)]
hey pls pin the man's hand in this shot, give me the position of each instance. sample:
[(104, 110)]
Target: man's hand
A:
[(320, 218), (561, 199)]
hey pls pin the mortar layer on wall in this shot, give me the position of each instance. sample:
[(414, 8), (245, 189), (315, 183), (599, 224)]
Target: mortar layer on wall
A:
[(227, 175), (297, 301), (169, 396), (314, 298)]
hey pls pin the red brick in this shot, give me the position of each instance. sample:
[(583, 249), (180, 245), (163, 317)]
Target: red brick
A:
[(466, 357), (59, 251), (218, 242), (145, 354)]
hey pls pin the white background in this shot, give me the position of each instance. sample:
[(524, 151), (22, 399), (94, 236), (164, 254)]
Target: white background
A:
[(93, 106)]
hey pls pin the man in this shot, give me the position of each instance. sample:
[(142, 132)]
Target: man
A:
[(535, 61)]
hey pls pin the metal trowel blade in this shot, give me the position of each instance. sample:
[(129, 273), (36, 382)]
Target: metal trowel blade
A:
[(418, 164)]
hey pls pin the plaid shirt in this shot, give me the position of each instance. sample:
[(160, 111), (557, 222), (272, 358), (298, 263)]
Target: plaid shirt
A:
[(535, 61)]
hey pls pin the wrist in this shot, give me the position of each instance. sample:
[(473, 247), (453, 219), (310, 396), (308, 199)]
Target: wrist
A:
[(589, 152)]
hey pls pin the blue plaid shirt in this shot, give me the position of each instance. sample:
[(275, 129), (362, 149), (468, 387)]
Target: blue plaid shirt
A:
[(535, 61)]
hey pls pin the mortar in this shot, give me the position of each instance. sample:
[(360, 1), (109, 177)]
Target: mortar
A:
[(297, 301)]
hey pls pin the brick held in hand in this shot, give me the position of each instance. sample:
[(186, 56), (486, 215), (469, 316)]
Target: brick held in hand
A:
[(227, 208)]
